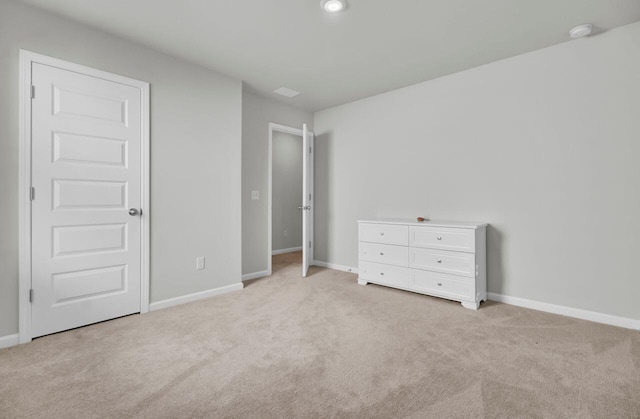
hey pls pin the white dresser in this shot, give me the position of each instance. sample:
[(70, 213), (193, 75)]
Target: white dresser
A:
[(443, 259)]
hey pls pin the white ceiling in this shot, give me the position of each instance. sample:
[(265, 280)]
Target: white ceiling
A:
[(373, 47)]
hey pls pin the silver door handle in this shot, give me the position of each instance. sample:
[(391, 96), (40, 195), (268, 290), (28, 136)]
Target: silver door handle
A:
[(133, 212), (305, 208)]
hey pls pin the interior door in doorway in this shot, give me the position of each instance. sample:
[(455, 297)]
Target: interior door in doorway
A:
[(86, 208), (307, 199)]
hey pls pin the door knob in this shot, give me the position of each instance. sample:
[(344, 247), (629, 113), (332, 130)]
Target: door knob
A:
[(133, 212)]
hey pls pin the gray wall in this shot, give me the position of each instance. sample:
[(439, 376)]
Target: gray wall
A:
[(544, 146), (195, 154), (287, 191), (257, 112)]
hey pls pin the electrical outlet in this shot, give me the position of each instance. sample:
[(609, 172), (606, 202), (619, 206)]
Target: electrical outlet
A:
[(200, 263), (286, 233), (255, 195)]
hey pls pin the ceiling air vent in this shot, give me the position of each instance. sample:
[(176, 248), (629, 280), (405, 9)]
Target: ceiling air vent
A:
[(284, 91)]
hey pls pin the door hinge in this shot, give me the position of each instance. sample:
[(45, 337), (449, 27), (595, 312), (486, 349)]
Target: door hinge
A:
[(309, 245), (309, 150), (309, 197), (33, 92), (33, 193), (31, 295)]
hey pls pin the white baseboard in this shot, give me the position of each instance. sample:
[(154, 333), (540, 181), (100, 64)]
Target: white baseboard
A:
[(159, 305), (289, 250), (9, 340), (255, 275), (335, 266), (567, 311)]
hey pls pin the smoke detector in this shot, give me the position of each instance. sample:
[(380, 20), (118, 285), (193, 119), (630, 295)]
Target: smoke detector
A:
[(581, 31)]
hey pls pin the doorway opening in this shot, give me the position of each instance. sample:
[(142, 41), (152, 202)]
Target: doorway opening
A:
[(286, 190), (290, 191)]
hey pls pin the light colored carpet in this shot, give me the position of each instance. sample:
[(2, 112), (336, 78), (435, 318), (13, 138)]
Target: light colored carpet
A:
[(326, 347)]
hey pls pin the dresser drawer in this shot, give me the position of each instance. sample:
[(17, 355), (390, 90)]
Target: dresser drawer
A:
[(458, 239), (394, 276), (384, 233), (431, 282), (384, 253), (456, 263)]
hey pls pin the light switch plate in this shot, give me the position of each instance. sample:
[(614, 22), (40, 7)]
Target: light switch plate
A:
[(255, 195), (200, 263)]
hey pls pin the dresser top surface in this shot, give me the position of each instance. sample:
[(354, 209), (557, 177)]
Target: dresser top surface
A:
[(430, 223)]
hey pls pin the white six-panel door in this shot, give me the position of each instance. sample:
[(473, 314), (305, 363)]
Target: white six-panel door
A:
[(86, 174)]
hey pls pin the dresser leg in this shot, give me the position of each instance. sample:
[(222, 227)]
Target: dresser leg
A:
[(470, 305), (362, 282)]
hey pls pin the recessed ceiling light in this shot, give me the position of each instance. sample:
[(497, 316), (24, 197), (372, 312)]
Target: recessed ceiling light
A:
[(581, 31), (285, 91), (333, 6)]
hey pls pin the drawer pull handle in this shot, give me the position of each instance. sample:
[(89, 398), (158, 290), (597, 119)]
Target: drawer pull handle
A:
[(439, 284), (439, 237), (439, 260), (381, 253), (382, 273)]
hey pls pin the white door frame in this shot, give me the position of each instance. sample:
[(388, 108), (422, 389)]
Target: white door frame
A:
[(287, 130), (27, 58)]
